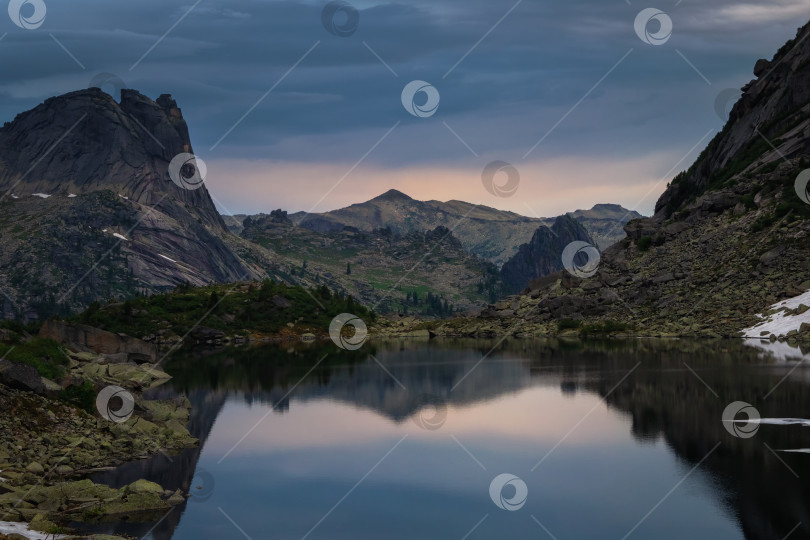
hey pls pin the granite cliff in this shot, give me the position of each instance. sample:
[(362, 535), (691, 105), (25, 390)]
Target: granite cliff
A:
[(89, 210)]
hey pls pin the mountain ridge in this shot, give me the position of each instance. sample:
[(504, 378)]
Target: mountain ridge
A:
[(492, 234)]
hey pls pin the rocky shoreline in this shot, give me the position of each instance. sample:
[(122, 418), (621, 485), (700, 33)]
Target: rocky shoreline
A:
[(50, 443)]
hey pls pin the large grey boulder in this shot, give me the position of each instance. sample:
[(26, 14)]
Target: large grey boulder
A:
[(81, 337), (21, 377)]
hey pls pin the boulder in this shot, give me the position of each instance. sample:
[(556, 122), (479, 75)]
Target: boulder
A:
[(35, 468), (639, 228), (761, 67), (772, 255), (717, 201), (674, 229), (144, 486), (281, 302), (80, 337), (21, 377)]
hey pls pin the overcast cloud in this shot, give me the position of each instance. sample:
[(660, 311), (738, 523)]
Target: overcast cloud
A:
[(510, 91)]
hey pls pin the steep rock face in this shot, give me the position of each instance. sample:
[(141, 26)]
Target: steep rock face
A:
[(729, 237), (88, 210), (772, 111), (541, 256), (84, 141)]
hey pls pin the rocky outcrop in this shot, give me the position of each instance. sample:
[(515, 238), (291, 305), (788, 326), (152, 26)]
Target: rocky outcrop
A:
[(541, 256), (90, 179), (99, 144), (772, 110), (80, 337)]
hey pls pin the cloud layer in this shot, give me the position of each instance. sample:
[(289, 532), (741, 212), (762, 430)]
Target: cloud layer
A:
[(537, 75)]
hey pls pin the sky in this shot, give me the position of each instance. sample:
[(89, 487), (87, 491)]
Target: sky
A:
[(585, 103)]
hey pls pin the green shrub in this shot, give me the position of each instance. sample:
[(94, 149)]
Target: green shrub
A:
[(605, 327), (568, 324), (82, 396), (42, 354), (644, 243)]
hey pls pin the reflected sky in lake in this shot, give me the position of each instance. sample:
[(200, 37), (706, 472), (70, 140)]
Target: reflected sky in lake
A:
[(301, 463), (613, 440)]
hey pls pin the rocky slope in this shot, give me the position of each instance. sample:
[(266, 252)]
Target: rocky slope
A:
[(388, 271), (541, 256), (89, 210), (492, 234), (51, 438), (729, 237)]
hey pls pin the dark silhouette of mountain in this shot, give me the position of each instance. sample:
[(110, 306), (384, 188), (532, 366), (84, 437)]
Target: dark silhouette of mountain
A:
[(541, 256)]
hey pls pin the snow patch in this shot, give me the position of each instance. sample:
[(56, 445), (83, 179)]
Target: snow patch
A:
[(122, 237), (168, 259), (9, 527), (127, 198), (14, 196), (41, 195), (780, 323), (71, 195)]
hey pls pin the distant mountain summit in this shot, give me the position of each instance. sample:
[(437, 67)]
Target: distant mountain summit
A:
[(393, 195), (492, 234)]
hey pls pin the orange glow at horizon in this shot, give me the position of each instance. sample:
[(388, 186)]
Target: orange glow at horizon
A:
[(547, 188)]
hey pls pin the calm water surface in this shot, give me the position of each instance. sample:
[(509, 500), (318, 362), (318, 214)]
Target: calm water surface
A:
[(403, 440)]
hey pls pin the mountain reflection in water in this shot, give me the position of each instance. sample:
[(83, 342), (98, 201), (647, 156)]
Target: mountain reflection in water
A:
[(616, 427)]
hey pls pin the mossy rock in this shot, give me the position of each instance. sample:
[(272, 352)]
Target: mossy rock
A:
[(136, 503), (176, 429), (41, 523), (35, 467), (144, 486)]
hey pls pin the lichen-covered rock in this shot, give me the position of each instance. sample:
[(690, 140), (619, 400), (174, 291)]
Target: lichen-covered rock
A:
[(144, 486)]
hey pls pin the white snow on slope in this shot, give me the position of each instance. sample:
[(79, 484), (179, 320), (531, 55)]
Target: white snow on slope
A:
[(779, 323), (122, 237), (71, 195), (168, 259), (8, 527), (41, 195)]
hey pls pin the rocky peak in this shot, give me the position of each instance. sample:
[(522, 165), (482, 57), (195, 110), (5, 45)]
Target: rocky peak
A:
[(541, 256), (84, 141), (114, 223), (392, 195)]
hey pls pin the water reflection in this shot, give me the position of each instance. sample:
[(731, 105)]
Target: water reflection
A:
[(614, 427)]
